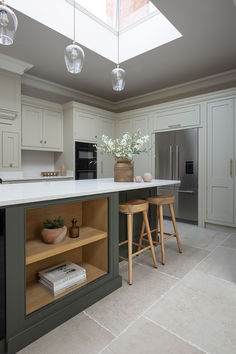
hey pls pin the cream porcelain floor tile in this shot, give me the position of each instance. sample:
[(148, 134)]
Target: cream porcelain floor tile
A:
[(230, 242), (201, 309), (221, 263), (146, 337), (119, 309), (203, 238), (177, 264), (182, 227), (76, 336)]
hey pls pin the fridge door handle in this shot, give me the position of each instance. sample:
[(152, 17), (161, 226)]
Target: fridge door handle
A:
[(177, 162), (171, 162)]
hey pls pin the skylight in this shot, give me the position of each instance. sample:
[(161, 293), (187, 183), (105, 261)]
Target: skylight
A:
[(142, 26), (131, 11)]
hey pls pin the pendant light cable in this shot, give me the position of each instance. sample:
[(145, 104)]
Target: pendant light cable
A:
[(118, 31), (74, 23)]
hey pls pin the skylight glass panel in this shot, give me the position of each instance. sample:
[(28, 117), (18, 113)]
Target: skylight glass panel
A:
[(131, 11)]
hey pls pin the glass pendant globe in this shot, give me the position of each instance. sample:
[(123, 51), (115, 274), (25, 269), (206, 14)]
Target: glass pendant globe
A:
[(118, 79), (8, 25), (74, 58)]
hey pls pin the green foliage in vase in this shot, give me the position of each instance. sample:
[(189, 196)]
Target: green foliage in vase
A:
[(126, 147), (54, 224)]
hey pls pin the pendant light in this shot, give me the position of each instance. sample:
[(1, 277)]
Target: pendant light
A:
[(8, 24), (118, 74), (74, 55)]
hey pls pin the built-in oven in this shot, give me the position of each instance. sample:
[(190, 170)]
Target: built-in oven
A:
[(2, 275), (85, 160)]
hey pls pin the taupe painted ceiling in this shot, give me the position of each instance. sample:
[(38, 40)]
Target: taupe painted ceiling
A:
[(208, 46)]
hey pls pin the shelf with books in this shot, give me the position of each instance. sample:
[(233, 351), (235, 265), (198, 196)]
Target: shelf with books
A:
[(37, 296), (37, 250)]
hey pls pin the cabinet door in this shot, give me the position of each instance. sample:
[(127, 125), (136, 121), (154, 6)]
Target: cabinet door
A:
[(32, 127), (220, 134), (11, 148), (52, 130), (106, 162), (86, 127)]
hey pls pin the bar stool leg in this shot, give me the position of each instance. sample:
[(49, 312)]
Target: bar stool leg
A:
[(141, 236), (130, 243), (162, 235), (145, 218), (175, 227), (157, 219)]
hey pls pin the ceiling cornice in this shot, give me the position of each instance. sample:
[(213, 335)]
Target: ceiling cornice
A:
[(211, 83), (14, 65), (72, 94), (225, 79)]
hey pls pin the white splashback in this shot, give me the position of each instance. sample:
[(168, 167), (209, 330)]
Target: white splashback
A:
[(34, 162)]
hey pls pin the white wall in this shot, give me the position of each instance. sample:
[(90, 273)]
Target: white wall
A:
[(34, 162)]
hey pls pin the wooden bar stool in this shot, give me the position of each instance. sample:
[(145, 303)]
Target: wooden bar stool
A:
[(159, 201), (130, 208)]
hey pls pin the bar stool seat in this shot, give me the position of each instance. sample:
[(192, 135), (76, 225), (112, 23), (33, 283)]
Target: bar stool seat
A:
[(130, 208), (159, 201)]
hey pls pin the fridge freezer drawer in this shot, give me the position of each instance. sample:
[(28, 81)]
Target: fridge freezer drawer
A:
[(185, 206)]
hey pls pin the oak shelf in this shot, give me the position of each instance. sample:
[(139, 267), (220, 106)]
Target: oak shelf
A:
[(37, 250), (37, 296)]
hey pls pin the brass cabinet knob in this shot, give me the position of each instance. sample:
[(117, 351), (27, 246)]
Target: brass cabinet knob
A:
[(45, 141), (10, 164), (41, 141)]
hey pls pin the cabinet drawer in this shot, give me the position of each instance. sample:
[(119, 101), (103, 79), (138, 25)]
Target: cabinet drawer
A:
[(178, 118)]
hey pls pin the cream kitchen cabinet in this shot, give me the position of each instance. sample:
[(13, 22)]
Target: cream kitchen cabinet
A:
[(105, 163), (86, 126), (42, 129), (10, 150), (178, 118), (221, 162)]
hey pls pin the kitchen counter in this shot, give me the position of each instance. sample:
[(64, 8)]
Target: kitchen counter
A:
[(13, 194), (21, 177)]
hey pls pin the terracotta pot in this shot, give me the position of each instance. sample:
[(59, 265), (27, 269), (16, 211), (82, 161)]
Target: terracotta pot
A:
[(123, 171), (54, 235)]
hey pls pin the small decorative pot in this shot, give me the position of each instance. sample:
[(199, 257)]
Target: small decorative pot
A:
[(123, 170), (54, 235), (138, 179), (147, 177)]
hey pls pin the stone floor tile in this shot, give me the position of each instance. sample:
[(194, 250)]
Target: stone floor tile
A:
[(202, 310), (177, 264), (146, 337), (221, 263), (78, 335), (119, 309)]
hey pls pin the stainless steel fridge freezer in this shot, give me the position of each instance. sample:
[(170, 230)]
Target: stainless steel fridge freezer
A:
[(176, 157)]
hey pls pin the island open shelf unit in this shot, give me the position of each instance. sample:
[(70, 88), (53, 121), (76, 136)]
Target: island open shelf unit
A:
[(89, 250)]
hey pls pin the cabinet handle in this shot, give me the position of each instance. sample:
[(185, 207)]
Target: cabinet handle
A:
[(231, 168), (10, 164), (41, 141), (174, 126), (45, 141)]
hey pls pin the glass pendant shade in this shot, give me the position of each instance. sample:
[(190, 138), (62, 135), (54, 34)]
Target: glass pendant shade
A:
[(8, 25), (118, 79), (74, 58)]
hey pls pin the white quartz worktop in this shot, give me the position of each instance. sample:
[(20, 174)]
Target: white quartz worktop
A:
[(11, 194)]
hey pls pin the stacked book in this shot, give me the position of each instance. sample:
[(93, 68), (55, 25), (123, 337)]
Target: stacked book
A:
[(61, 277)]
